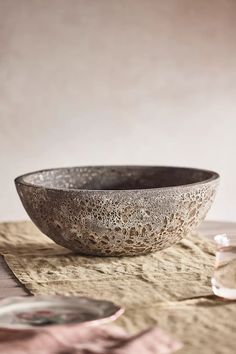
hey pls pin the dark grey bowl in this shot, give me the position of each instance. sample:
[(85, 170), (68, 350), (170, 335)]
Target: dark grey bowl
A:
[(117, 210)]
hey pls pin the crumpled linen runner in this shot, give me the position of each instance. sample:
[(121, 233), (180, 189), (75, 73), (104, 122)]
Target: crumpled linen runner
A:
[(170, 288)]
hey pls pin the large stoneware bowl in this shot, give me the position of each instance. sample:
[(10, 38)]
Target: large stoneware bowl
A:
[(117, 210)]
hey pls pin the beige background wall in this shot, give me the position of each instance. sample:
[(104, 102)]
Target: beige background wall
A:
[(117, 81)]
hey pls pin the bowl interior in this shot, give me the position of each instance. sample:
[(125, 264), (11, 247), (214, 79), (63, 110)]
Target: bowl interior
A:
[(116, 177)]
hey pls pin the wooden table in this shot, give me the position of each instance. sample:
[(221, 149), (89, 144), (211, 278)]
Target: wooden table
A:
[(10, 286)]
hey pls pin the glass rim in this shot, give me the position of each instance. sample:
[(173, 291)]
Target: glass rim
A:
[(225, 239)]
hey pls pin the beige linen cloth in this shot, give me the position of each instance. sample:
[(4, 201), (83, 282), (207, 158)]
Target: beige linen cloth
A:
[(170, 288)]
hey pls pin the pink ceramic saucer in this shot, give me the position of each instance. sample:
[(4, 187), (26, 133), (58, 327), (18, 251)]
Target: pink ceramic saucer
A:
[(39, 311)]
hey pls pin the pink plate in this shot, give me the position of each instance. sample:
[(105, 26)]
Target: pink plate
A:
[(39, 311)]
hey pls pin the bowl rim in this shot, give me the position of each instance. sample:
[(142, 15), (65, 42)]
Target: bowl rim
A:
[(20, 179)]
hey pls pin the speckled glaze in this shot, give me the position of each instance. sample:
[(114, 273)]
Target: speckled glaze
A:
[(117, 210)]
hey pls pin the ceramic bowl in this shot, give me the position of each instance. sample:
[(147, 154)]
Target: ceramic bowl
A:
[(117, 210)]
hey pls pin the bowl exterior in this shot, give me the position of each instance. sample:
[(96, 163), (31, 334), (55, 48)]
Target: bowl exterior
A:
[(119, 222)]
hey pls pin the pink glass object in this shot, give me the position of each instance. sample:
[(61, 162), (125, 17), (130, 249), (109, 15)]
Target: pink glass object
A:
[(224, 278)]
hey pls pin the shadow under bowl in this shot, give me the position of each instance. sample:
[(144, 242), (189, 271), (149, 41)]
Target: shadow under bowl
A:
[(117, 210)]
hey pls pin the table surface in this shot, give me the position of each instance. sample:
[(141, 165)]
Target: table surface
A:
[(10, 286)]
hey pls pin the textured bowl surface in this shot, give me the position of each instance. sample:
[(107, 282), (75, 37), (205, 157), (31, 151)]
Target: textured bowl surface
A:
[(117, 210)]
